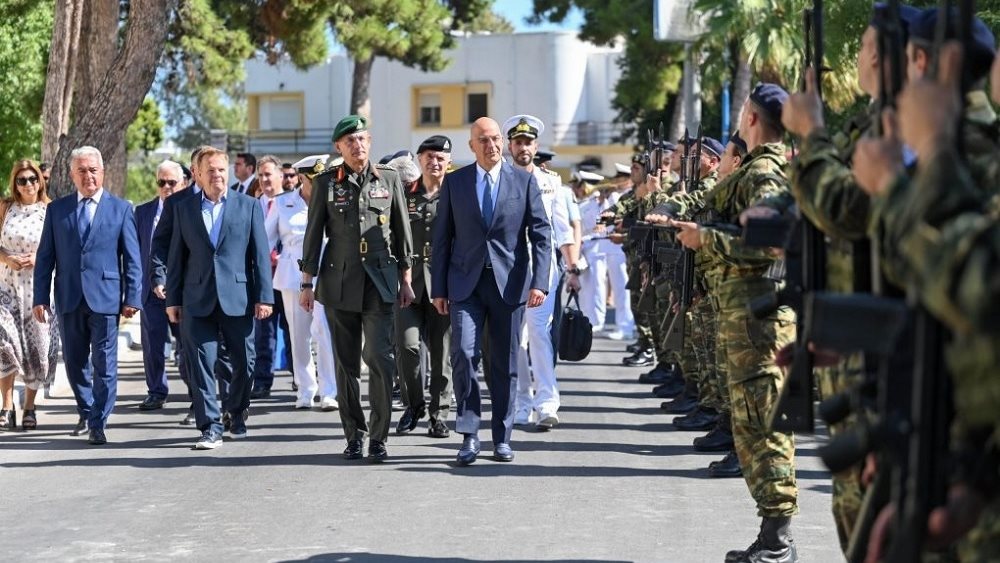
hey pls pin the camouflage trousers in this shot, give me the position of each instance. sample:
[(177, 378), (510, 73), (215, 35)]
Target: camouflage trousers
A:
[(721, 382), (660, 293), (755, 383), (847, 491), (699, 347), (643, 328)]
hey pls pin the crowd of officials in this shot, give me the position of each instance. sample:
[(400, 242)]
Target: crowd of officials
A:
[(436, 277)]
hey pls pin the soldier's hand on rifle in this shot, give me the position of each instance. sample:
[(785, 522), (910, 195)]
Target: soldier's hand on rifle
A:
[(879, 161), (657, 219), (689, 234), (617, 238), (822, 358), (803, 111), (652, 183), (921, 128), (946, 524)]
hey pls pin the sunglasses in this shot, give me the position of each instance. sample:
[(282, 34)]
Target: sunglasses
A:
[(290, 176), (170, 183), (24, 181)]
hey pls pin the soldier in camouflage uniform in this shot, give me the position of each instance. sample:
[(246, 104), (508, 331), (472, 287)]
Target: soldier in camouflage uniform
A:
[(942, 232), (755, 382)]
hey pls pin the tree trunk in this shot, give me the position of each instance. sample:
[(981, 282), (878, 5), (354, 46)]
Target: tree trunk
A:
[(113, 106), (361, 101), (741, 87), (97, 51), (60, 77)]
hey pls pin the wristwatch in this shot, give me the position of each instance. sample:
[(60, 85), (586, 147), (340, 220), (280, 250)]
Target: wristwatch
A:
[(304, 286), (574, 270)]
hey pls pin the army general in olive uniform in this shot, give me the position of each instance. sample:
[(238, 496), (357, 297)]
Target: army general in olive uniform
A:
[(361, 207)]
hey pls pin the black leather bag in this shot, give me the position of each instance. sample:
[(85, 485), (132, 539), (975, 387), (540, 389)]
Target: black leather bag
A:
[(575, 331)]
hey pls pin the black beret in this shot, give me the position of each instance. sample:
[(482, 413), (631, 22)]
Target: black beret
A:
[(982, 46), (544, 156), (739, 142), (437, 143), (771, 98), (713, 146), (385, 159), (880, 16)]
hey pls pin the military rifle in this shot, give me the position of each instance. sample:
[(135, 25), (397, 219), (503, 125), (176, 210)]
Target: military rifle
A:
[(806, 273)]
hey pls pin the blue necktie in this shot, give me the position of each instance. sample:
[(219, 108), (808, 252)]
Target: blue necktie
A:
[(83, 219), (487, 199)]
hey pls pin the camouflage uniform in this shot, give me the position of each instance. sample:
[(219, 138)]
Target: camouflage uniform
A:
[(627, 207), (944, 235), (755, 382)]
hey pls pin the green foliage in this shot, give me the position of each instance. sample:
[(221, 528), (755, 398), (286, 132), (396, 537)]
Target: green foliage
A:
[(146, 131), (200, 80), (25, 34), (140, 183)]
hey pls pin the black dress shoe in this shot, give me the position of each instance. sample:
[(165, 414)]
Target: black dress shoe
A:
[(189, 419), (728, 466), (682, 404), (81, 427), (469, 450), (151, 403), (502, 452), (701, 419), (260, 393), (409, 420), (720, 439), (640, 359), (355, 449), (97, 437), (377, 451), (633, 347), (438, 429)]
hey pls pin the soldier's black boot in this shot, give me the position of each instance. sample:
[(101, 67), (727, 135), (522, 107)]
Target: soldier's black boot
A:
[(773, 544), (719, 439), (728, 466), (640, 359), (662, 373), (684, 403)]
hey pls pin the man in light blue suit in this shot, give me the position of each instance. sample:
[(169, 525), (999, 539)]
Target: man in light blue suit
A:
[(219, 280), (89, 240), (488, 213)]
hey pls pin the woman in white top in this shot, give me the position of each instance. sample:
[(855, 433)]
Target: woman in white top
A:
[(286, 221)]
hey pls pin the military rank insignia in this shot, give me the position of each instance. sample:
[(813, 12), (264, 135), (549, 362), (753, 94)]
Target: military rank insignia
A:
[(378, 193)]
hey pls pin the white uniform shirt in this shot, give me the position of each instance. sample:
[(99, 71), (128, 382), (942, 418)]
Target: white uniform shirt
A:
[(287, 222)]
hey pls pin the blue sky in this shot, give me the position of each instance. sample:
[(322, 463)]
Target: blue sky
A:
[(517, 10)]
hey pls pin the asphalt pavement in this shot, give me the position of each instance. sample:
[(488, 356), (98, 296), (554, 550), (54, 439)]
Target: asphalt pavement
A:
[(613, 482)]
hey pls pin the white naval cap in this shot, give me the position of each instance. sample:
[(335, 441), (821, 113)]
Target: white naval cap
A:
[(622, 169), (523, 126), (311, 165), (588, 177)]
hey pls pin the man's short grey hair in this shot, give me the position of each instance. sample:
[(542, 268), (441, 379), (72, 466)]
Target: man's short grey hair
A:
[(85, 151), (407, 169), (171, 166)]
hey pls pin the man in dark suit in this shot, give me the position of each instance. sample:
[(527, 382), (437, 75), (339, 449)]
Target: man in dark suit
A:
[(89, 240), (360, 206), (218, 280), (487, 214), (245, 170), (156, 330)]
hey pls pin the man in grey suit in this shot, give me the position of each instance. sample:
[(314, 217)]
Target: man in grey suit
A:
[(219, 278), (488, 213)]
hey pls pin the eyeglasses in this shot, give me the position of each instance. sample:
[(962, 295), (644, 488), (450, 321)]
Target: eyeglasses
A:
[(170, 183), (290, 176), (25, 180)]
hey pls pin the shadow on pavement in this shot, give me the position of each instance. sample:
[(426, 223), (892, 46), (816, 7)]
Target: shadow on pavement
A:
[(385, 557)]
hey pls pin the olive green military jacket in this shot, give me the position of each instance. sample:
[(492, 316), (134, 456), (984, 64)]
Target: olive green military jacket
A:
[(422, 210), (365, 217)]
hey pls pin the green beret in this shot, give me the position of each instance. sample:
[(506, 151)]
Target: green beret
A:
[(348, 125)]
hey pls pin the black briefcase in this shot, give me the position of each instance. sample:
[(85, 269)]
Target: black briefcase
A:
[(575, 331)]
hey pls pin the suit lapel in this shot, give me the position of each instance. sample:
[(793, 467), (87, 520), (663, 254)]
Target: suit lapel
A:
[(229, 207), (194, 208)]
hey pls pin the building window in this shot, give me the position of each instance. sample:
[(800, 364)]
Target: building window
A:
[(285, 114), (477, 105), (430, 109)]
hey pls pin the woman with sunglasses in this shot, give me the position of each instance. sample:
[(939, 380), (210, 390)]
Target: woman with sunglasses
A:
[(24, 342)]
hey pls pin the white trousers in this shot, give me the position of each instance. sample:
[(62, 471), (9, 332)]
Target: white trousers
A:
[(594, 284), (537, 388), (305, 330), (618, 276)]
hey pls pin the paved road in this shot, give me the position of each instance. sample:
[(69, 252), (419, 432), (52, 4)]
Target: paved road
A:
[(614, 482)]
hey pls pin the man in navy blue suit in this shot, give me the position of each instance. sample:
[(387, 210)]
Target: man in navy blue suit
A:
[(488, 213), (89, 240), (156, 330), (219, 280)]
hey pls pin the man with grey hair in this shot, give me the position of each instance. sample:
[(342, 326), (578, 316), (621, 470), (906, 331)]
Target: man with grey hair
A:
[(89, 241), (155, 327), (420, 323)]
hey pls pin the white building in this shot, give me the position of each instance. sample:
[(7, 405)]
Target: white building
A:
[(566, 82)]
